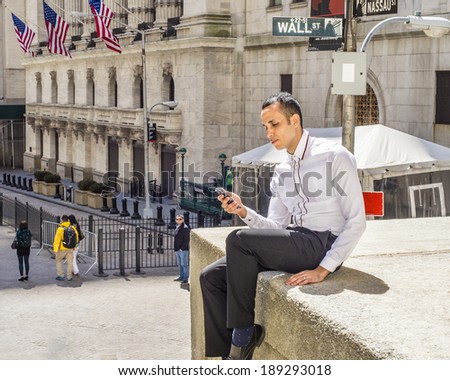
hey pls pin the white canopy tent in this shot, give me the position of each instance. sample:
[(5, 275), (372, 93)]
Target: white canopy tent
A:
[(382, 154)]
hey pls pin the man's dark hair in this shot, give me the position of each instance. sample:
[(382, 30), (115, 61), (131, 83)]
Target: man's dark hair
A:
[(288, 105), (64, 218)]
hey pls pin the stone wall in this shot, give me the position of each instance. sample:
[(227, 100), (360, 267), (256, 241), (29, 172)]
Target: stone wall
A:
[(388, 301)]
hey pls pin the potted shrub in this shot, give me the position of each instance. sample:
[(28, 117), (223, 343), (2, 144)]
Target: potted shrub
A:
[(95, 195), (51, 181), (81, 194), (38, 180)]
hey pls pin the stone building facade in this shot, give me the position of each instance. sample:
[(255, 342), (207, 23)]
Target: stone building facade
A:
[(12, 94), (219, 61)]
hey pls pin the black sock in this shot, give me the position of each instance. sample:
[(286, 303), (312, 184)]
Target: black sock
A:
[(242, 336)]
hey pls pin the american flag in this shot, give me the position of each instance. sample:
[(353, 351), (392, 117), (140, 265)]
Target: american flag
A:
[(56, 30), (103, 16), (24, 34)]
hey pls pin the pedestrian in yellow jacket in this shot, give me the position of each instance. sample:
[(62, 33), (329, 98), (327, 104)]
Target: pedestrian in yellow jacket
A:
[(62, 252)]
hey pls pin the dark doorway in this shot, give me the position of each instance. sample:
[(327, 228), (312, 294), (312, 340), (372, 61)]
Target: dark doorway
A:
[(138, 174), (113, 162)]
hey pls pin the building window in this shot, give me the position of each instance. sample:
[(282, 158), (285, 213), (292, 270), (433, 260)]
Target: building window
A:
[(71, 92), (442, 97), (115, 94), (138, 87), (54, 88), (168, 88), (274, 3), (90, 88), (366, 112), (112, 93), (38, 88), (141, 94), (286, 82), (90, 98)]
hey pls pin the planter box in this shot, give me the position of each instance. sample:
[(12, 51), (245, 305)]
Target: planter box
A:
[(81, 197), (37, 186), (96, 200), (49, 189)]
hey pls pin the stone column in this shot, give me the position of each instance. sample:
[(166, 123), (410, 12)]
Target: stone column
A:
[(205, 18), (141, 11)]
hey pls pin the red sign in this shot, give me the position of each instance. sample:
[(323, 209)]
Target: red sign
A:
[(328, 8), (374, 202)]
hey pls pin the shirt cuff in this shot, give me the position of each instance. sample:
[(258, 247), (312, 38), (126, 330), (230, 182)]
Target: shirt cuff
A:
[(250, 218), (329, 264)]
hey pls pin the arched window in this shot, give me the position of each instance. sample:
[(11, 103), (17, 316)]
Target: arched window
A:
[(112, 88), (90, 96), (115, 93), (138, 96), (71, 87), (168, 84), (366, 108), (90, 88), (54, 88), (172, 89), (71, 95), (138, 87), (38, 88), (141, 94)]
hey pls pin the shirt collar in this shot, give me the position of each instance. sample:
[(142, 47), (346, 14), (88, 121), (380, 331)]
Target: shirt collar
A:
[(300, 151)]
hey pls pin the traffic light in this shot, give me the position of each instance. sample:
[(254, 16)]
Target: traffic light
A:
[(151, 132)]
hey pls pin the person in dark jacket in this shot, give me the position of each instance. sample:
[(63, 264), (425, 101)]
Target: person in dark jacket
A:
[(23, 238), (181, 247)]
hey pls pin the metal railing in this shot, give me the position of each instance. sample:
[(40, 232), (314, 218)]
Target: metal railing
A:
[(112, 242)]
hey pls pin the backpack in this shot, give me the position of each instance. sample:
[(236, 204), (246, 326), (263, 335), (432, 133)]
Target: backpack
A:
[(69, 237), (24, 238)]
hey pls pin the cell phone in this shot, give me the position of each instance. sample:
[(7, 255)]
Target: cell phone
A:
[(222, 191)]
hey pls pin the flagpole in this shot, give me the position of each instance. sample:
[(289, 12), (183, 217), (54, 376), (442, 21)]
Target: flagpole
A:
[(24, 19)]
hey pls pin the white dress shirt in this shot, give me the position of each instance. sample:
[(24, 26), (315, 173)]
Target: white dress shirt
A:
[(317, 188)]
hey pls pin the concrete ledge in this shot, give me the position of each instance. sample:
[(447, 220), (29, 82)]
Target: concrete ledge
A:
[(390, 300)]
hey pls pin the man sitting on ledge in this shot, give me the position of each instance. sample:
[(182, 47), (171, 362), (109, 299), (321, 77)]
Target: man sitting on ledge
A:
[(315, 219)]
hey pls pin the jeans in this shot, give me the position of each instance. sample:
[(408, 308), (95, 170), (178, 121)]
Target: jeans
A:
[(23, 259), (183, 264)]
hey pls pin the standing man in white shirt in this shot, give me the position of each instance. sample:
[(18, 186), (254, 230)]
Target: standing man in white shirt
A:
[(315, 219)]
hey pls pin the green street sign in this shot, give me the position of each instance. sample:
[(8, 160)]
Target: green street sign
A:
[(307, 27)]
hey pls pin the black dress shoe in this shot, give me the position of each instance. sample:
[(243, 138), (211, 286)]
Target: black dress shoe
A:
[(246, 352)]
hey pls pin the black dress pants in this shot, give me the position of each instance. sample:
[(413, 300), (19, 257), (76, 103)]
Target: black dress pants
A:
[(229, 284)]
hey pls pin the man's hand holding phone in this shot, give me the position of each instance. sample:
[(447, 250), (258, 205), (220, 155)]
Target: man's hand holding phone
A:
[(231, 202)]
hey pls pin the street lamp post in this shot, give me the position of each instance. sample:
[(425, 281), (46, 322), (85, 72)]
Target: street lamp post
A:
[(222, 158), (182, 152), (431, 26), (148, 211)]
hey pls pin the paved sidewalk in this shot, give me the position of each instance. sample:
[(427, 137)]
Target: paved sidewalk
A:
[(134, 317)]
